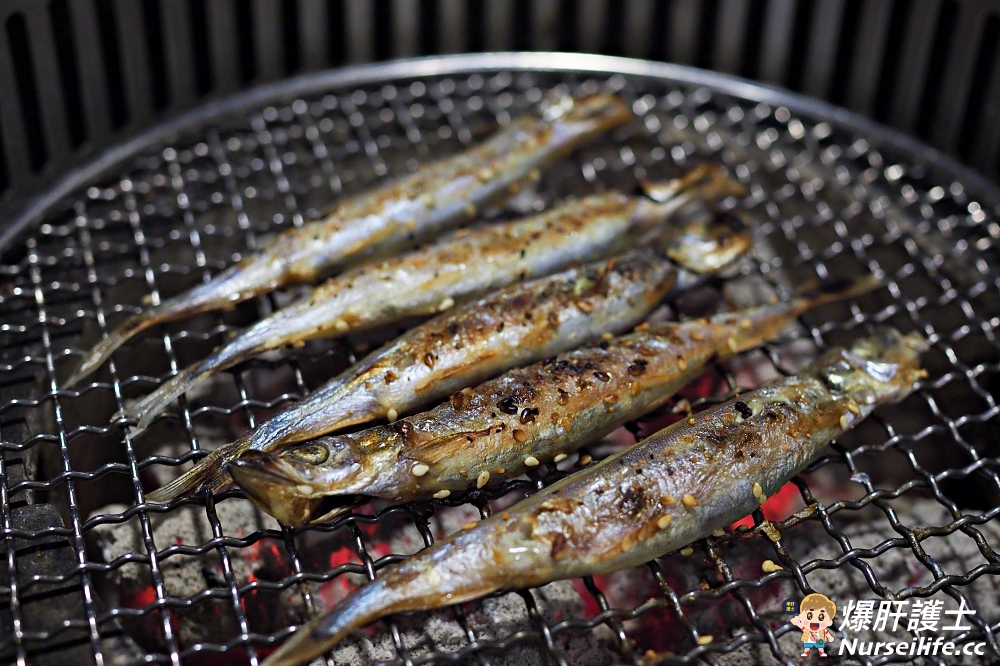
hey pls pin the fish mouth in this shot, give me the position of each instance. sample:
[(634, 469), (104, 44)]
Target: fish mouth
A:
[(331, 506), (256, 470), (814, 626), (273, 489), (261, 483)]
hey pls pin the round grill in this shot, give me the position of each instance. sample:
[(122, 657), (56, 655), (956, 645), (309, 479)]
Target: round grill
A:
[(902, 507)]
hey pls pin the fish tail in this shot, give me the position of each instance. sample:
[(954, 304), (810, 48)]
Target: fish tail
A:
[(147, 408), (751, 328), (237, 283), (144, 410), (103, 350), (373, 601), (207, 474), (437, 577)]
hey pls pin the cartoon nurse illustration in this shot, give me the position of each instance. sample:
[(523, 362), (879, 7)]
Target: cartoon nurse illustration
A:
[(815, 617)]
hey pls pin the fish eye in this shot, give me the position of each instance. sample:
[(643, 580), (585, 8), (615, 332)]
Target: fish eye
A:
[(313, 454)]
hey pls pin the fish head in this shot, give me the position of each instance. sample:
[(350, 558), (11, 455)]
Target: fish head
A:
[(576, 118), (882, 367), (704, 182), (305, 483), (709, 243)]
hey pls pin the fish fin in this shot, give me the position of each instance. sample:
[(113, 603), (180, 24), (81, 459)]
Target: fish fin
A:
[(103, 350), (705, 181), (207, 474)]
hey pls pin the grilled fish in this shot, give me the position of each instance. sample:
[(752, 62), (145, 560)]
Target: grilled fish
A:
[(460, 348), (463, 265), (438, 197), (674, 487), (503, 427)]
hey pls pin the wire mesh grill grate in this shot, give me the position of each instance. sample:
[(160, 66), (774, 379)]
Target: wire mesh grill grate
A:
[(823, 202)]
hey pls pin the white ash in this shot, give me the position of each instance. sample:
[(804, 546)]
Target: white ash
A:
[(186, 575)]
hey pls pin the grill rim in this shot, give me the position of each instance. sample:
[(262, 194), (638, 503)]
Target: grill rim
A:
[(278, 99), (841, 118)]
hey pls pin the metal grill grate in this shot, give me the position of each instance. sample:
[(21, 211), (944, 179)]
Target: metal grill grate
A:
[(828, 196)]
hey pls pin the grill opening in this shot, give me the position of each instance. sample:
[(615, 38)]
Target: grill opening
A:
[(902, 507)]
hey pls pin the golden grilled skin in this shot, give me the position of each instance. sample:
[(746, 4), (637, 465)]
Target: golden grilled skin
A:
[(470, 343), (673, 488), (503, 427), (459, 266), (438, 197)]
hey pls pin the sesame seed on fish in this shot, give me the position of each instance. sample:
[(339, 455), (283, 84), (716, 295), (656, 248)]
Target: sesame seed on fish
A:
[(482, 479), (420, 469)]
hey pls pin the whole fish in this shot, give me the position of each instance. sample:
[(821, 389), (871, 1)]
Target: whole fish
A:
[(501, 428), (465, 346), (674, 487), (462, 265), (437, 197)]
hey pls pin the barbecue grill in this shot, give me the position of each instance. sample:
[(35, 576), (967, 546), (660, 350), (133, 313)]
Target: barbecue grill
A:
[(903, 507)]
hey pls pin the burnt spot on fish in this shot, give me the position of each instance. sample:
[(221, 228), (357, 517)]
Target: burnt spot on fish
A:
[(429, 360), (637, 367), (390, 376), (603, 376), (631, 500), (560, 544), (507, 406), (405, 430), (743, 408), (528, 415)]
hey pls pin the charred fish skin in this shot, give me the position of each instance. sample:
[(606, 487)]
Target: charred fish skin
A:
[(437, 197), (529, 415), (462, 265), (674, 487), (519, 324)]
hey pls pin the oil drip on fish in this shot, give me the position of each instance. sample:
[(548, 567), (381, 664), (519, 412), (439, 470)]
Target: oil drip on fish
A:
[(674, 487), (460, 266), (438, 197), (470, 343), (501, 428)]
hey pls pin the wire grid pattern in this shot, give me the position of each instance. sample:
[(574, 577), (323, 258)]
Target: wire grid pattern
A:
[(822, 203)]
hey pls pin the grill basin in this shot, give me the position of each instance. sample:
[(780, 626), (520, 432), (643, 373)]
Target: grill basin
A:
[(903, 507)]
